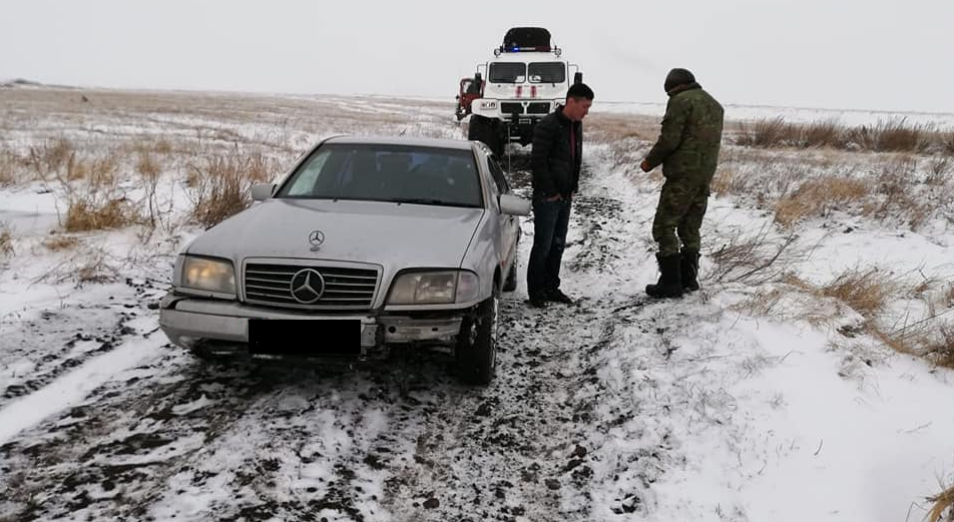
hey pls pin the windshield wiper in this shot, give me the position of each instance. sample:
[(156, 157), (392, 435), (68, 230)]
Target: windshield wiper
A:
[(422, 201)]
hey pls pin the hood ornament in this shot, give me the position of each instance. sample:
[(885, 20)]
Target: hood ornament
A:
[(316, 238)]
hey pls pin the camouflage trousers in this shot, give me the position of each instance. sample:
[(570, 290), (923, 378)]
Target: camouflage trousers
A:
[(682, 205)]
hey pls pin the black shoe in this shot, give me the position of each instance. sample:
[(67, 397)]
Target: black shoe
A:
[(557, 296), (538, 301)]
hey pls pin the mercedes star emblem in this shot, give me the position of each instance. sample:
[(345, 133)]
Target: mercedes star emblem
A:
[(307, 286), (316, 238)]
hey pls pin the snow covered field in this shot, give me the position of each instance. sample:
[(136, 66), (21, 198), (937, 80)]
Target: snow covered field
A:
[(797, 385)]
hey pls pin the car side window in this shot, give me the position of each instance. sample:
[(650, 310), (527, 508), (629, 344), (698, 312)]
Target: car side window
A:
[(499, 177)]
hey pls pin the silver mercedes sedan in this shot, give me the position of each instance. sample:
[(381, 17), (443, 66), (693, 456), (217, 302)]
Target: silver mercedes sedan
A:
[(367, 246)]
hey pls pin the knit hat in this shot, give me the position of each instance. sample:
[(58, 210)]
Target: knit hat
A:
[(678, 77)]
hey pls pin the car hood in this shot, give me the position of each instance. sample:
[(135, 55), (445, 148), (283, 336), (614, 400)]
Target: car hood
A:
[(358, 231)]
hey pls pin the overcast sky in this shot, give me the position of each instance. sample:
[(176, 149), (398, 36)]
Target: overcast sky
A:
[(893, 55)]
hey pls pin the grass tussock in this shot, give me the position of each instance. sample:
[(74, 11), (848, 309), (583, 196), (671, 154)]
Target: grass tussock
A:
[(50, 157), (891, 136), (896, 135), (220, 188), (942, 508), (816, 197), (867, 292), (59, 243), (94, 198), (941, 349)]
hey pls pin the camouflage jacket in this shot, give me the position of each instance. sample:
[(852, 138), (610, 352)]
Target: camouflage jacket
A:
[(691, 135)]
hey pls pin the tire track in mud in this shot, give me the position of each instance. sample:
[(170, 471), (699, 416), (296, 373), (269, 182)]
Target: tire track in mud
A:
[(82, 333), (253, 442)]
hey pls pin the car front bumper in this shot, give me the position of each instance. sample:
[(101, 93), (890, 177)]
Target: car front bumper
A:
[(189, 322)]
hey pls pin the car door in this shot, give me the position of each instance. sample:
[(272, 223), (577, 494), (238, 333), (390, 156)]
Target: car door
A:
[(509, 225)]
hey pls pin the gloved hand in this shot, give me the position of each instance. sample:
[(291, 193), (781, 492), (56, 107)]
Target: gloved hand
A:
[(645, 166)]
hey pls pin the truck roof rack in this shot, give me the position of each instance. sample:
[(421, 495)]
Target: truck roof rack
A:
[(527, 39)]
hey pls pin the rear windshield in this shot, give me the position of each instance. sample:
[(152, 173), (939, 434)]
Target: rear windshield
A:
[(547, 72), (508, 72), (396, 173)]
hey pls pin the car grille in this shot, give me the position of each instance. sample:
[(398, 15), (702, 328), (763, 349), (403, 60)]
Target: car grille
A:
[(538, 108), (510, 108), (345, 288)]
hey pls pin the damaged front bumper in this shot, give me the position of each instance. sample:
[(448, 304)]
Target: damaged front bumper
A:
[(222, 327)]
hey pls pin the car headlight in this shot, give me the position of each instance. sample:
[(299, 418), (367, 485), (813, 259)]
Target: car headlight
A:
[(445, 287), (210, 275)]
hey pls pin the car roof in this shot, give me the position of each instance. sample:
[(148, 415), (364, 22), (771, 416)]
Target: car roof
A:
[(442, 143)]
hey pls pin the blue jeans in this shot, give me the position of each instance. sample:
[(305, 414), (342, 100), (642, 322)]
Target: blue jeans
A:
[(550, 222)]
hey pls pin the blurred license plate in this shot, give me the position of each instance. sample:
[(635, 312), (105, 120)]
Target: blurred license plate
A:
[(304, 337)]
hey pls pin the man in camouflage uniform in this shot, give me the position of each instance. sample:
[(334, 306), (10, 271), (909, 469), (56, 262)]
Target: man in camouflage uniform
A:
[(688, 150)]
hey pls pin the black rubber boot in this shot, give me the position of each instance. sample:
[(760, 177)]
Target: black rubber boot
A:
[(670, 278), (689, 267)]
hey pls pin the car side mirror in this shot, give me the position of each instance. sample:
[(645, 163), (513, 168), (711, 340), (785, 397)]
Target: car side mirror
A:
[(513, 205), (262, 191)]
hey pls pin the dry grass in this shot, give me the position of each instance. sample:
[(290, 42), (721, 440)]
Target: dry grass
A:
[(220, 188), (939, 170), (753, 259), (613, 127), (91, 265), (59, 243), (94, 199), (891, 136), (941, 349), (50, 157), (947, 142), (9, 167), (150, 171), (6, 239), (867, 292), (885, 136), (820, 134), (900, 195), (816, 197), (766, 133), (942, 509)]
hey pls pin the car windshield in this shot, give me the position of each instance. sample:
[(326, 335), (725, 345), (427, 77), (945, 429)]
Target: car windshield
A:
[(395, 173), (547, 72), (507, 72)]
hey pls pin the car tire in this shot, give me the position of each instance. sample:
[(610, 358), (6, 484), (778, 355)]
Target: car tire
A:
[(203, 354), (476, 349)]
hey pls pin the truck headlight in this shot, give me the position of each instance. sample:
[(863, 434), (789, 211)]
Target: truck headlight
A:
[(208, 275), (444, 287)]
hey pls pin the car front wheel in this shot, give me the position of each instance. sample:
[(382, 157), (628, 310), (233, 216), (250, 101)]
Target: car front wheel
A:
[(476, 350)]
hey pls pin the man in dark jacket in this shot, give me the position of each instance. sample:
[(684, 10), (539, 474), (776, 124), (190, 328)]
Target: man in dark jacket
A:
[(556, 158), (688, 150)]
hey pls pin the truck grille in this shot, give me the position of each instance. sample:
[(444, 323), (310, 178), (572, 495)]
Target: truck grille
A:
[(344, 288), (538, 108), (511, 107)]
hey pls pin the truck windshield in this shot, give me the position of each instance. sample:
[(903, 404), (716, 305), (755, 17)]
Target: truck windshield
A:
[(547, 72), (394, 173), (508, 72)]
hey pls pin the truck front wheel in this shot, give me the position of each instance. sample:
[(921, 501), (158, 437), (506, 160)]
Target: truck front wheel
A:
[(484, 129)]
